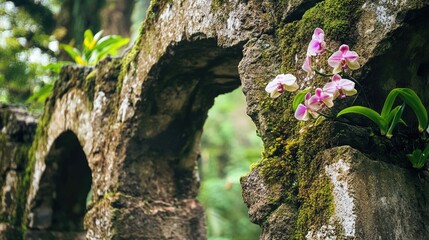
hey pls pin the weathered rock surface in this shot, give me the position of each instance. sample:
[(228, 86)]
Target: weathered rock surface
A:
[(17, 132), (131, 128)]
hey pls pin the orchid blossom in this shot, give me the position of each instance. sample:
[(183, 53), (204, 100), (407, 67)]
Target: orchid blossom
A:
[(343, 59), (321, 99), (304, 111), (283, 82), (317, 44), (340, 87), (307, 67)]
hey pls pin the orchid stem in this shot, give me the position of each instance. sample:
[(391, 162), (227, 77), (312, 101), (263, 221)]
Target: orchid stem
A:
[(323, 74)]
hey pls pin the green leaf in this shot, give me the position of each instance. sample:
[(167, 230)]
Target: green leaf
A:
[(369, 113), (426, 151), (97, 36), (398, 111), (299, 98), (418, 159), (388, 103), (73, 52), (41, 95), (411, 99)]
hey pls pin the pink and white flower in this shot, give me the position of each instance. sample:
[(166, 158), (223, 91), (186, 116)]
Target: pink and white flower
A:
[(340, 87), (307, 67), (317, 44), (321, 99), (343, 59), (304, 111), (282, 82)]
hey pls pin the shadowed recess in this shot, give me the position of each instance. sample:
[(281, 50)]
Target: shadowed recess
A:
[(60, 204)]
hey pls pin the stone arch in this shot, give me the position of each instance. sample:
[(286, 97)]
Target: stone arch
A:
[(59, 206), (160, 159)]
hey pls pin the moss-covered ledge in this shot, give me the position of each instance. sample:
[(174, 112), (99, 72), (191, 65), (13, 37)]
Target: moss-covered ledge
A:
[(291, 170)]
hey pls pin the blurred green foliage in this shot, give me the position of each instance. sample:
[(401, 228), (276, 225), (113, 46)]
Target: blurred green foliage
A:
[(24, 49), (229, 145), (95, 48)]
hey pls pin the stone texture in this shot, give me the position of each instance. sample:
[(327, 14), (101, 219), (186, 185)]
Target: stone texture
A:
[(17, 131), (366, 192)]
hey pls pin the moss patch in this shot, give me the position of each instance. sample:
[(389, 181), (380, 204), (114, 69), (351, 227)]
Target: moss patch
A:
[(289, 156), (336, 17)]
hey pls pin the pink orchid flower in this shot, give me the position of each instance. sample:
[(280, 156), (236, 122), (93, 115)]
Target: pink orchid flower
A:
[(304, 111), (283, 82), (340, 87), (321, 99), (317, 44), (343, 59), (307, 67)]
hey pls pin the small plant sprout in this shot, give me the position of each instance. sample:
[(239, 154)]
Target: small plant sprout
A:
[(343, 59), (419, 158), (95, 47), (280, 84)]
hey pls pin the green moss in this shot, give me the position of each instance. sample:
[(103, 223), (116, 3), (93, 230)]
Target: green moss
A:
[(89, 85), (216, 4), (336, 17), (289, 156)]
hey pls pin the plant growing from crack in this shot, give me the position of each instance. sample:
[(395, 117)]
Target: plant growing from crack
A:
[(95, 47), (307, 105)]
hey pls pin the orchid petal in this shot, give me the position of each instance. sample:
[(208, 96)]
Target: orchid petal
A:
[(330, 87), (335, 59), (351, 56), (353, 65), (271, 86), (350, 92), (344, 49), (329, 102), (287, 79), (291, 88), (318, 34), (337, 69), (314, 104), (275, 94), (313, 47), (336, 77), (307, 65), (314, 114), (346, 84), (301, 113)]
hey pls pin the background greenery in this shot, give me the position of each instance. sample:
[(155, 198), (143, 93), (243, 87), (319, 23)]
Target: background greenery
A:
[(229, 146)]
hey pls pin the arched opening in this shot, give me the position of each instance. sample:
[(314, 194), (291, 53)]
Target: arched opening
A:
[(59, 207), (160, 169), (229, 145)]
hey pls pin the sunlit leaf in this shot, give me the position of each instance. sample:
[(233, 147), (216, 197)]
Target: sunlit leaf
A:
[(397, 113), (369, 113), (73, 52), (411, 99), (41, 95), (299, 98)]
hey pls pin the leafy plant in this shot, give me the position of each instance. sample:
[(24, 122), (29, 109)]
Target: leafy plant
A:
[(419, 158), (389, 118), (95, 47)]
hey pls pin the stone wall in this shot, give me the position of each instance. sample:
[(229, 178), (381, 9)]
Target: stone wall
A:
[(129, 129), (17, 132)]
